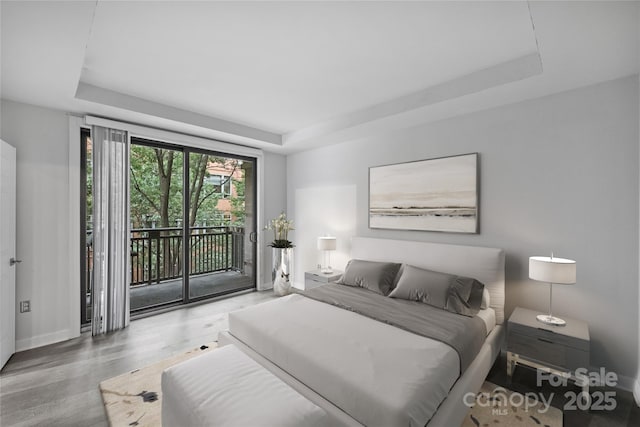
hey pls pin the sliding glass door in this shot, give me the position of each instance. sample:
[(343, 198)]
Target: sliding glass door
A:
[(86, 226), (193, 224), (192, 216), (156, 212), (221, 224)]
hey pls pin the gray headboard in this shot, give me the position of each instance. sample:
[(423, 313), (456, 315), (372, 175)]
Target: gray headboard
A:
[(484, 264)]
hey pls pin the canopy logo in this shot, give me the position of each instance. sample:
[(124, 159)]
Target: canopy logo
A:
[(501, 400)]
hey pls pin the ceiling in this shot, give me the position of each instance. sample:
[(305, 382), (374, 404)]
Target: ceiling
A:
[(286, 76)]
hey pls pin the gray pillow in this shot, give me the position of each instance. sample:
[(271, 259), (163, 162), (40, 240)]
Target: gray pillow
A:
[(375, 276), (465, 296), (426, 286), (457, 294)]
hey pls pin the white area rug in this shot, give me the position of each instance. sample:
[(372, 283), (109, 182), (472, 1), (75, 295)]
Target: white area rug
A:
[(497, 406), (133, 399)]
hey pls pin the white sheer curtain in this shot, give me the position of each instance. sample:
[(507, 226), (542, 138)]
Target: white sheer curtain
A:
[(111, 258)]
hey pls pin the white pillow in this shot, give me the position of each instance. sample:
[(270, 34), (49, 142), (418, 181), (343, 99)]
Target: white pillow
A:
[(486, 299)]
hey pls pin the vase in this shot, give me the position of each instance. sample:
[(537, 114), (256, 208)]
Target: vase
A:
[(281, 271)]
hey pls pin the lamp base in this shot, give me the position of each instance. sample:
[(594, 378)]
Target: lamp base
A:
[(550, 320)]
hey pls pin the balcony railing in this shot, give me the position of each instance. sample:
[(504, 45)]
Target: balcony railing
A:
[(156, 253)]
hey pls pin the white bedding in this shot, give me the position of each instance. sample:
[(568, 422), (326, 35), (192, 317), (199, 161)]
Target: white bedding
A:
[(378, 374), (225, 387), (488, 316)]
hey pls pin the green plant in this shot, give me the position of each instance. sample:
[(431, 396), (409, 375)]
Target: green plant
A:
[(281, 227)]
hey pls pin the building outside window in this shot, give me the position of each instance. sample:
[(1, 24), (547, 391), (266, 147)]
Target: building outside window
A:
[(222, 184)]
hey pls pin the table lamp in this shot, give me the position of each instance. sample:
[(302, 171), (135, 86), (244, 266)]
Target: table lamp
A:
[(552, 270), (327, 244)]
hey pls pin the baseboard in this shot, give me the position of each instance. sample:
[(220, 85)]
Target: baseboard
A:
[(636, 391), (44, 339), (265, 286)]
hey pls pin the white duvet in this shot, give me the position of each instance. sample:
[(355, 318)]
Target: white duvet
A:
[(378, 374), (226, 388)]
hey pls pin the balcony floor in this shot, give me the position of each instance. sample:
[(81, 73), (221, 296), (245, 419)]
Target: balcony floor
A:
[(143, 296)]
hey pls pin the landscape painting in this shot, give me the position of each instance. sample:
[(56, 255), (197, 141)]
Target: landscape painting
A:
[(428, 195)]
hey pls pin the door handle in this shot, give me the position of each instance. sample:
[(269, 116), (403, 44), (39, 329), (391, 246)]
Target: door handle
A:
[(253, 237), (14, 261)]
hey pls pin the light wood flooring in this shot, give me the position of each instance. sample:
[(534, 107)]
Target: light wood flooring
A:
[(57, 385)]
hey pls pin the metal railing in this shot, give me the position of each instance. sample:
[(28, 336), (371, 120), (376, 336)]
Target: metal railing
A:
[(156, 253)]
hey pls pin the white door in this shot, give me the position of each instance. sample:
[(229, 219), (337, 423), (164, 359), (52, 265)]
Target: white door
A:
[(7, 252)]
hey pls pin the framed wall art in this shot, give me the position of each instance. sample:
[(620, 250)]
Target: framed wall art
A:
[(427, 195)]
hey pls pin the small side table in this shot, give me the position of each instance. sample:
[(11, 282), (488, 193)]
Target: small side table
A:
[(315, 278), (559, 350)]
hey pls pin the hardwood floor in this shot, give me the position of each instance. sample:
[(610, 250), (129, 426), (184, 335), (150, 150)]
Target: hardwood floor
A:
[(57, 385)]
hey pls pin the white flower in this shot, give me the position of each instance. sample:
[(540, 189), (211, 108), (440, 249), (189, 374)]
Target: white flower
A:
[(281, 227)]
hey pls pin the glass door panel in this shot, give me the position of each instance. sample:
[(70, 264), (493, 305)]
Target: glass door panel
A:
[(156, 210), (86, 226), (221, 224)]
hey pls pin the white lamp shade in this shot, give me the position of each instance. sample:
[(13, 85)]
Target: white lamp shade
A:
[(552, 270), (326, 243)]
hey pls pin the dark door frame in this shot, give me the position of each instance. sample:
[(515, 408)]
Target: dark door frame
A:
[(186, 234), (85, 133)]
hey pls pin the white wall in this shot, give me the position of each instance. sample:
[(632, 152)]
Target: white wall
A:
[(275, 196), (559, 173), (320, 211), (41, 138)]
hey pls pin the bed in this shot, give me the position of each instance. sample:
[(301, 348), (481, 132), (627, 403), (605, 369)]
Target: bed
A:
[(370, 369)]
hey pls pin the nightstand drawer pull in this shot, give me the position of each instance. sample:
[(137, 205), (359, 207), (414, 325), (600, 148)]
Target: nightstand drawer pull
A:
[(546, 330), (547, 341)]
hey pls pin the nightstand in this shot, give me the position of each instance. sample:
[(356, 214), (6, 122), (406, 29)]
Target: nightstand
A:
[(315, 278), (559, 350)]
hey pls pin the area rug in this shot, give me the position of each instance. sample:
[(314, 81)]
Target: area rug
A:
[(133, 399), (497, 406)]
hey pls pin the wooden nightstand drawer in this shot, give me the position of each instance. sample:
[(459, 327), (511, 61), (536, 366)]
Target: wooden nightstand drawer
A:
[(564, 348), (548, 335), (551, 352)]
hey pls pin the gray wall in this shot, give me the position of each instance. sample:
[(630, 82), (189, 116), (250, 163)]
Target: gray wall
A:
[(41, 137), (559, 173)]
